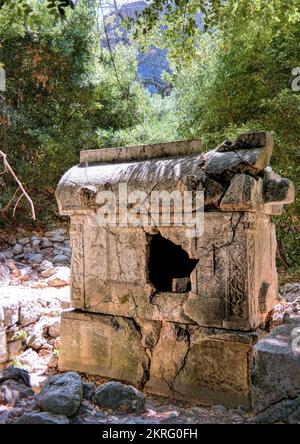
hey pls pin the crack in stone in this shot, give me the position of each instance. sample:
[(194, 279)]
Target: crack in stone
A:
[(148, 352), (183, 362), (227, 244), (284, 398)]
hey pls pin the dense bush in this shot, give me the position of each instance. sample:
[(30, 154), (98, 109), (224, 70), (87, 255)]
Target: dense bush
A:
[(61, 94)]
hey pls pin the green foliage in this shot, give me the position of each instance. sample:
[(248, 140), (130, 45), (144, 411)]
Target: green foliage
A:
[(55, 353), (159, 124), (16, 363), (62, 92), (57, 8), (175, 24), (240, 80), (20, 335)]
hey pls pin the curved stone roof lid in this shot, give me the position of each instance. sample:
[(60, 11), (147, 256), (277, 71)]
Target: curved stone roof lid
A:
[(232, 176), (141, 152), (143, 167)]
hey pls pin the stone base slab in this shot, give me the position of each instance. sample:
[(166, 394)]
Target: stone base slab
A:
[(207, 365)]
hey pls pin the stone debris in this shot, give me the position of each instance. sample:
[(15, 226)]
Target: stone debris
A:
[(14, 386), (117, 396), (63, 393), (60, 277), (30, 325), (42, 418), (28, 258)]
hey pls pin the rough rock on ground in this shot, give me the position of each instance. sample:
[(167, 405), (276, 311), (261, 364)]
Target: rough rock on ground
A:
[(276, 371), (14, 386), (66, 388), (61, 394), (117, 396), (42, 418)]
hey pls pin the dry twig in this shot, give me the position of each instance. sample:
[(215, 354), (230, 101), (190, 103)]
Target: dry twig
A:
[(8, 168)]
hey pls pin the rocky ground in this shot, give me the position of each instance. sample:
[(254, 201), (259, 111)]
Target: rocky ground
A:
[(34, 247), (21, 393), (69, 398), (34, 289)]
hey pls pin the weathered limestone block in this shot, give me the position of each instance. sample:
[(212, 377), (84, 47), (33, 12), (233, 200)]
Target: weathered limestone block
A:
[(243, 194), (233, 284), (211, 366), (114, 269), (168, 359), (165, 307), (213, 192), (236, 269), (103, 345), (77, 262), (259, 139), (250, 154), (162, 174), (138, 152), (277, 189), (276, 371)]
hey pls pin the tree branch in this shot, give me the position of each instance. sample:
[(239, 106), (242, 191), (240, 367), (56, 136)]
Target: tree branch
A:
[(9, 169)]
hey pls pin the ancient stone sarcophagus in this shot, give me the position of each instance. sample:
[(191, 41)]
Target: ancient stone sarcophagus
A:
[(171, 310)]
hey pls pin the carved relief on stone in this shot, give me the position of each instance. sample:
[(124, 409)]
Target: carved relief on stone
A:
[(77, 263), (238, 274)]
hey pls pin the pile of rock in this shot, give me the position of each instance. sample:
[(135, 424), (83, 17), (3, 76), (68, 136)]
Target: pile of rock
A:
[(63, 399), (30, 326), (53, 245), (40, 275)]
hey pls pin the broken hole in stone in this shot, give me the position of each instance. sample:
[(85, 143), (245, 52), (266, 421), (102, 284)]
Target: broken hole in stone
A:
[(169, 265)]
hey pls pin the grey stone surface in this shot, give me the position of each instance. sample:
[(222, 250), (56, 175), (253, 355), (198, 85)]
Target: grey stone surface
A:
[(244, 193), (150, 151), (24, 240), (17, 249), (276, 188), (15, 374), (276, 371), (30, 313), (116, 396), (62, 394), (224, 165), (41, 418), (11, 392), (88, 390), (291, 291), (14, 386), (36, 258), (256, 139), (285, 410), (60, 259)]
